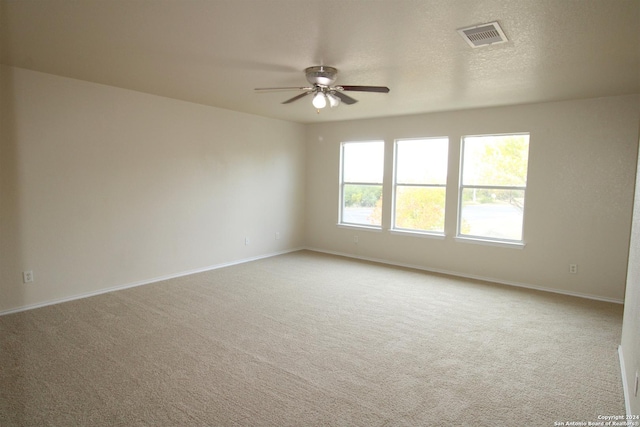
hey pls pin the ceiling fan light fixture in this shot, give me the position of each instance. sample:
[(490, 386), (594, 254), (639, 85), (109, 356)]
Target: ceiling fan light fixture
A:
[(334, 101), (319, 100)]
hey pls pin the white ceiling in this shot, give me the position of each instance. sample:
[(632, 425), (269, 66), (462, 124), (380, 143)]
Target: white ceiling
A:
[(215, 52)]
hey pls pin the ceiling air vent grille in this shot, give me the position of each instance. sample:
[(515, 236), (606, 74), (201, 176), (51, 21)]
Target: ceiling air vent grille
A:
[(483, 35)]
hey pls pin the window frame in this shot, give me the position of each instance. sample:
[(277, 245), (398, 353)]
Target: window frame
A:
[(461, 187), (342, 184), (395, 185)]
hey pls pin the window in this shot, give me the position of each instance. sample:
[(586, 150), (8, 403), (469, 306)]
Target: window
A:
[(493, 185), (420, 184), (361, 183)]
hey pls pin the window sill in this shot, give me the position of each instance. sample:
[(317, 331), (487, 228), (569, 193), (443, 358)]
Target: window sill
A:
[(488, 242), (422, 234), (360, 227)]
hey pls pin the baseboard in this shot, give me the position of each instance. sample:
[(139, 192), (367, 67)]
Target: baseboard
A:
[(470, 276), (143, 282), (269, 255), (625, 384)]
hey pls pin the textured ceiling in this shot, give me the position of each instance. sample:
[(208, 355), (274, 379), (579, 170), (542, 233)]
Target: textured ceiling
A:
[(215, 52)]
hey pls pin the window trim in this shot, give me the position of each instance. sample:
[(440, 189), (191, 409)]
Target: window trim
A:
[(416, 233), (351, 226), (394, 185), (513, 244), (342, 183), (472, 238)]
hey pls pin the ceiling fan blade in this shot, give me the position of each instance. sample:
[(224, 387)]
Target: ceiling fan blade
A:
[(295, 98), (283, 88), (380, 89), (344, 98)]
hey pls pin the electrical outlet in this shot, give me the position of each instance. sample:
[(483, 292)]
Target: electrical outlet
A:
[(573, 268), (355, 239), (27, 276), (277, 235), (246, 241)]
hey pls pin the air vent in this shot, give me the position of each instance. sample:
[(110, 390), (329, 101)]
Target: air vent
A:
[(483, 35)]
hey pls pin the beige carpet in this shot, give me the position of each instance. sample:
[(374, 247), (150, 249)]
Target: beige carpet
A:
[(307, 339)]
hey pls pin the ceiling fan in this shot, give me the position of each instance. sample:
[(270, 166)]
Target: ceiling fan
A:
[(321, 79)]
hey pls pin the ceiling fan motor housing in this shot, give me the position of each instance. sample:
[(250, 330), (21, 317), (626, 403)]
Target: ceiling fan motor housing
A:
[(321, 75)]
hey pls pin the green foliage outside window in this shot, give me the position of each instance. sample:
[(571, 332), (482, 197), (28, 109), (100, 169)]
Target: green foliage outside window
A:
[(362, 196), (420, 208), (496, 161), (502, 163)]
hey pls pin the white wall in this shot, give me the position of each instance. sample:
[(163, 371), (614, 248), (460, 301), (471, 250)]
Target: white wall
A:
[(582, 164), (103, 187), (630, 344)]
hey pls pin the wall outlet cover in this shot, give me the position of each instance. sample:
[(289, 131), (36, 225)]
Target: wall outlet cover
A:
[(27, 276)]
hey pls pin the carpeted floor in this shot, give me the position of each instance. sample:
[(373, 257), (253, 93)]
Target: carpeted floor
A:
[(308, 339)]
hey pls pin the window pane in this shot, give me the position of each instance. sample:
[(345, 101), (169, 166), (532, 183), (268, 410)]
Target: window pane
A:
[(362, 204), (363, 161), (422, 161), (420, 208), (495, 214), (496, 160)]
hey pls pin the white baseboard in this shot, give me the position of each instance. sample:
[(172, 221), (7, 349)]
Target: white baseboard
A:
[(625, 384), (471, 276), (347, 255), (142, 282)]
